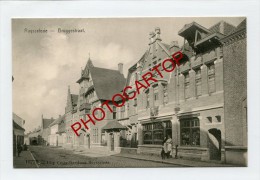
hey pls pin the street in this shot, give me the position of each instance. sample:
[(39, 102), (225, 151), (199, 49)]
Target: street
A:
[(53, 157)]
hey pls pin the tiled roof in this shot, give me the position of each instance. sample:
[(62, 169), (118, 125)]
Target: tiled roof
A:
[(58, 120), (227, 28), (241, 26), (107, 82), (239, 32), (16, 126), (47, 122), (113, 125)]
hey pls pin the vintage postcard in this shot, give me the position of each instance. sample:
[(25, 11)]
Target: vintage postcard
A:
[(129, 92)]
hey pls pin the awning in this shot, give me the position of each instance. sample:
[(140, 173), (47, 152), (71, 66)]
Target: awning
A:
[(113, 125)]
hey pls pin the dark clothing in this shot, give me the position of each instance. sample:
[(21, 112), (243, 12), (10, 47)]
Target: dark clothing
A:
[(19, 148)]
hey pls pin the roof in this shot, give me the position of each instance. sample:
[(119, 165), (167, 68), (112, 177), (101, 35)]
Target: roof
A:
[(192, 25), (62, 125), (113, 125), (241, 28), (20, 121), (47, 122), (85, 72), (58, 120), (16, 126), (222, 27), (107, 82)]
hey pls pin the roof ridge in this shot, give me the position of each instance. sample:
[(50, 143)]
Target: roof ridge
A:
[(106, 69)]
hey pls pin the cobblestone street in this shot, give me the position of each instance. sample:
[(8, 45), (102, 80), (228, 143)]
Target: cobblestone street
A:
[(53, 157)]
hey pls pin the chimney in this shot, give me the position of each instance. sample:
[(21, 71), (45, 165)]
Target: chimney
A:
[(158, 33), (120, 67)]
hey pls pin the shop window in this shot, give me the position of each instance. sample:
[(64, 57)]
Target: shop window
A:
[(190, 132), (211, 78), (198, 82), (186, 85), (154, 133)]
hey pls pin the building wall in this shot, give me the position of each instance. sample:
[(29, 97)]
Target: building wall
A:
[(235, 94), (207, 105)]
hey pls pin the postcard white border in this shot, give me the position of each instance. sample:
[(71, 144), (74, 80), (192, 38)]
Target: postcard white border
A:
[(83, 9)]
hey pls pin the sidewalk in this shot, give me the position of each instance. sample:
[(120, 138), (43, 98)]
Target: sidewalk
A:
[(180, 162), (25, 160)]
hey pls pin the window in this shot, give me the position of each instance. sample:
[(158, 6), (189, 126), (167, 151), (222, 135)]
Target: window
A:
[(198, 82), (165, 94), (218, 118), (135, 106), (209, 119), (154, 133), (147, 99), (186, 85), (114, 112), (190, 132), (95, 135), (123, 112), (156, 96), (211, 78)]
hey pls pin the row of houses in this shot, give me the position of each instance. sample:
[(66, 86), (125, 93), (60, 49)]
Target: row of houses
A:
[(201, 105), (18, 132)]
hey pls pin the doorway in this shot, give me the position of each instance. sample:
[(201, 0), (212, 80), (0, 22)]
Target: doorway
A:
[(112, 141), (214, 140)]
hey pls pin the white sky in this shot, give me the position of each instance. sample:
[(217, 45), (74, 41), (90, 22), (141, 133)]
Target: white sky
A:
[(45, 64)]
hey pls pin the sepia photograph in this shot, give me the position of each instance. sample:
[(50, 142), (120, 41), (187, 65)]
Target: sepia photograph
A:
[(141, 92)]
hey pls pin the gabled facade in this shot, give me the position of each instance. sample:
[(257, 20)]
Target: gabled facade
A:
[(187, 104), (70, 116), (57, 136), (45, 131), (96, 85)]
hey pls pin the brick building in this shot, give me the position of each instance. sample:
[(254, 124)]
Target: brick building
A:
[(57, 137), (45, 131), (187, 104), (70, 115), (235, 95), (197, 105), (18, 132), (96, 86)]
